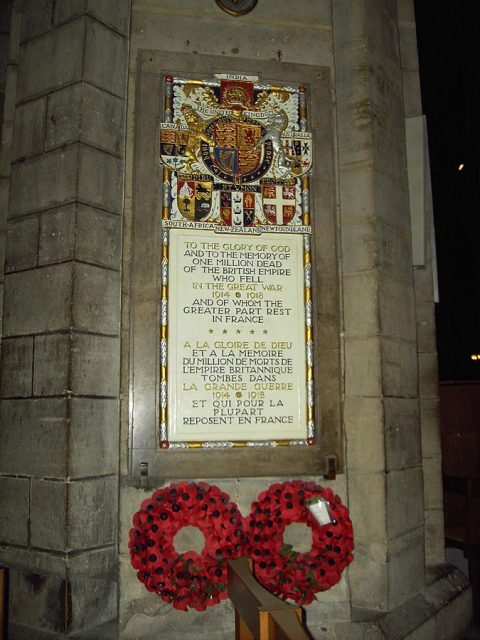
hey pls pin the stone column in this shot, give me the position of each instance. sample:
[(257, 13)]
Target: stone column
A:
[(424, 278), (61, 345), (382, 412)]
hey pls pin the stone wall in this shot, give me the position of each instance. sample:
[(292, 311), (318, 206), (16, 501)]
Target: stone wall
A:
[(386, 312), (61, 322), (72, 175)]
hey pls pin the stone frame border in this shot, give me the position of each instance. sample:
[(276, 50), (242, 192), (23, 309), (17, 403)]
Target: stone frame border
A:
[(145, 455)]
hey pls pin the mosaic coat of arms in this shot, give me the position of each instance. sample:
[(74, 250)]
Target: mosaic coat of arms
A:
[(236, 334), (237, 150)]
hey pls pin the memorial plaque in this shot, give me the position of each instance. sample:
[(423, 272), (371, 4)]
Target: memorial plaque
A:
[(236, 337)]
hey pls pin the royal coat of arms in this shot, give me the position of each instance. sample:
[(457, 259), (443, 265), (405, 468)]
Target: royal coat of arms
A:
[(238, 151)]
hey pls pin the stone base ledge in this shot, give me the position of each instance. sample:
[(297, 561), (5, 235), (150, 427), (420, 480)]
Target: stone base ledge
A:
[(441, 611)]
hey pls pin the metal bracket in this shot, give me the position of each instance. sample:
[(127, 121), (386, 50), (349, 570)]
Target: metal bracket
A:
[(330, 468), (143, 479)]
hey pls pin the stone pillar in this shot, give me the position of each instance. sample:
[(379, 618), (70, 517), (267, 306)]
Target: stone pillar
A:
[(424, 278), (382, 412), (61, 345)]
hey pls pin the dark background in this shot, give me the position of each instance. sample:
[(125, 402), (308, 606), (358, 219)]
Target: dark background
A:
[(448, 36)]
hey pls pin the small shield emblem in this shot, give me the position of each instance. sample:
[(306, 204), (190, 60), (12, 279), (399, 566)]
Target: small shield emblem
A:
[(173, 142), (278, 201), (194, 196), (298, 150), (237, 208)]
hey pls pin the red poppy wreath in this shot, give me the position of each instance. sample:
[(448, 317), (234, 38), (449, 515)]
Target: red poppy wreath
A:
[(283, 571), (195, 580)]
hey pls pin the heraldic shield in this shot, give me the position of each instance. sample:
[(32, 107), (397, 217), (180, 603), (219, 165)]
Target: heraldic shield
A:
[(237, 207), (173, 142), (194, 196), (278, 200), (298, 151)]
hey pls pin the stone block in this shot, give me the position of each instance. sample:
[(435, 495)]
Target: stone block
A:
[(34, 437), (144, 615), (92, 513), (362, 367), (368, 500), (64, 116), (4, 44), (48, 515), (302, 38), (454, 621), (87, 114), (98, 237), (408, 46), (412, 93), (82, 232), (22, 244), (368, 577), (361, 305), (404, 501), (9, 105), (426, 327), (103, 120), (16, 367), (66, 11), (100, 180), (364, 427), (406, 618), (394, 251), (57, 235), (7, 135), (96, 302), (426, 631), (432, 477), (396, 503), (94, 437), (354, 132), (95, 365), (38, 301), (110, 12), (61, 53), (4, 194), (359, 245), (415, 513), (105, 58), (423, 278), (402, 433), (391, 197), (114, 13), (397, 309), (406, 566), (51, 365), (320, 613), (428, 375), (45, 181), (400, 374), (434, 537), (37, 18), (29, 129), (94, 600), (430, 413), (39, 601), (15, 501)]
